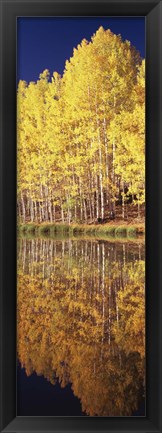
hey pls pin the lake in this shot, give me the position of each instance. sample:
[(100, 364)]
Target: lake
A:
[(80, 327)]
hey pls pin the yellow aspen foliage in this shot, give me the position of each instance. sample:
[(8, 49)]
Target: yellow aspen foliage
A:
[(81, 137)]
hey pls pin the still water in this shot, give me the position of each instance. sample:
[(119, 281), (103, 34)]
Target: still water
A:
[(81, 327)]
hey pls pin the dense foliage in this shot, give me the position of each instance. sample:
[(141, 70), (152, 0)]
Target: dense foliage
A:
[(81, 137)]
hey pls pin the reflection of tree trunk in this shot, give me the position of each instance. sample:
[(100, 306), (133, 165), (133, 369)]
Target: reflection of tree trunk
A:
[(82, 265), (43, 266), (55, 253), (124, 254), (103, 290), (69, 254), (94, 261), (36, 252), (116, 303), (98, 261), (32, 256), (109, 320), (120, 360), (63, 248), (52, 250), (76, 249), (91, 275)]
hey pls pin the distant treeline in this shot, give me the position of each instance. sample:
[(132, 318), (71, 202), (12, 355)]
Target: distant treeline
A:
[(81, 137)]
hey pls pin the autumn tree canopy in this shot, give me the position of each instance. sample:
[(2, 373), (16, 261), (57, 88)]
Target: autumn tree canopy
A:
[(81, 137)]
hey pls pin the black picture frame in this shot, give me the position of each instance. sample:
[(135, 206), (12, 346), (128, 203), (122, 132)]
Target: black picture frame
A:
[(152, 10)]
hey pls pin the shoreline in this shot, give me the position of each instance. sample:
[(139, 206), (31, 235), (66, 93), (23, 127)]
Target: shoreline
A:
[(112, 229)]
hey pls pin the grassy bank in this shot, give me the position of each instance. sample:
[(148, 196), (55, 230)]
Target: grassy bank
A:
[(107, 230)]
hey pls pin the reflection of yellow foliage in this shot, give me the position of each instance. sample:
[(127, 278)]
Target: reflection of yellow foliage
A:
[(73, 330), (130, 330)]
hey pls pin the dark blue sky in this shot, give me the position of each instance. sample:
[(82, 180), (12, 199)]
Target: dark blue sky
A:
[(46, 43)]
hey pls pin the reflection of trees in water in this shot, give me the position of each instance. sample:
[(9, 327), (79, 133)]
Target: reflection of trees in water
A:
[(81, 319)]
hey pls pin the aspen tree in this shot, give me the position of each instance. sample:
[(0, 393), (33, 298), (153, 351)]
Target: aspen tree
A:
[(81, 136)]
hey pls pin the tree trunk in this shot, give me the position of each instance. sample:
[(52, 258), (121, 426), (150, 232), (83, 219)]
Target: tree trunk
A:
[(31, 210), (23, 208), (68, 210), (62, 213), (93, 204), (81, 203), (19, 210), (100, 164), (54, 213), (85, 210), (50, 210), (46, 209), (97, 198), (123, 204), (138, 207), (113, 161), (35, 211), (40, 212), (107, 161), (75, 213), (90, 208), (101, 177), (42, 204)]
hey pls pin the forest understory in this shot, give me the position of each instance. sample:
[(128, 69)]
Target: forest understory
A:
[(131, 226)]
